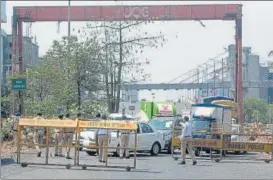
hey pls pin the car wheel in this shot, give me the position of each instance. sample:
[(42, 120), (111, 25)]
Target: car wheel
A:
[(197, 152), (116, 154), (90, 153), (169, 151), (237, 152), (155, 150)]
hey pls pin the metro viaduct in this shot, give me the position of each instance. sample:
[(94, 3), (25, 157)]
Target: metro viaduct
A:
[(176, 86)]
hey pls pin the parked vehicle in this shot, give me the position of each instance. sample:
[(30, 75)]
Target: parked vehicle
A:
[(203, 116), (148, 140), (164, 125)]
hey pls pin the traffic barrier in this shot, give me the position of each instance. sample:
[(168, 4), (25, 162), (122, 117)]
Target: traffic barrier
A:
[(109, 125), (48, 125), (225, 138)]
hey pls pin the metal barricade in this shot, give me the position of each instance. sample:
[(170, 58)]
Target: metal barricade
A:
[(200, 144), (109, 125), (47, 124), (249, 142)]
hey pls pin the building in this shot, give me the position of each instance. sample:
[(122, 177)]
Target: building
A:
[(252, 71), (30, 54), (3, 35)]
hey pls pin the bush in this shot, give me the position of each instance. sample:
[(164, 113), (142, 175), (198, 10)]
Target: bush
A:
[(6, 129)]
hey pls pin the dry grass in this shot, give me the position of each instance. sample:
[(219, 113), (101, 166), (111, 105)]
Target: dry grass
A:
[(7, 148)]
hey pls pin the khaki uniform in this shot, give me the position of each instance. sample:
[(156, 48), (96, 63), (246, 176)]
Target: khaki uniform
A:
[(186, 142), (39, 133), (59, 140), (68, 139), (124, 143), (102, 141)]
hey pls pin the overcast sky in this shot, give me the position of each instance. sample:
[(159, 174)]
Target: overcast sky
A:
[(189, 44)]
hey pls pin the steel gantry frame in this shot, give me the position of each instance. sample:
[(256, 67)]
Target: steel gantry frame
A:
[(225, 12)]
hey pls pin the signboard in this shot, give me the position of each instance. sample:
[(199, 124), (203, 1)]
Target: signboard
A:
[(165, 109), (122, 125), (212, 143), (48, 123), (250, 147), (18, 84), (131, 108)]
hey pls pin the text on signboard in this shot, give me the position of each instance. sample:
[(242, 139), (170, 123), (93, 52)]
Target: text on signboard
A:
[(136, 12)]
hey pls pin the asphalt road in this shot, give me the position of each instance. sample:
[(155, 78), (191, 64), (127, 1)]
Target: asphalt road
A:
[(159, 167)]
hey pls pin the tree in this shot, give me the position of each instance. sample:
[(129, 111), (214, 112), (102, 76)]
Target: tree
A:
[(65, 80), (255, 110), (122, 44)]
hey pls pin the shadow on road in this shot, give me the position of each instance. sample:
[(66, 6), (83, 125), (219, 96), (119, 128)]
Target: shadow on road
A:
[(78, 168), (7, 161)]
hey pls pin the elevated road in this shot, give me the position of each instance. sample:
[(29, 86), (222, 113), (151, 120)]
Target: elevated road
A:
[(176, 86)]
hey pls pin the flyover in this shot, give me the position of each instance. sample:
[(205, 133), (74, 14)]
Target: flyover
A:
[(180, 86)]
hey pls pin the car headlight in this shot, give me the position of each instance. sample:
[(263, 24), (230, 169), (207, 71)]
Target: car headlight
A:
[(167, 137)]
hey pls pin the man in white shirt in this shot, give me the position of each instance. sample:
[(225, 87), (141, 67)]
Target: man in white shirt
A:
[(186, 141)]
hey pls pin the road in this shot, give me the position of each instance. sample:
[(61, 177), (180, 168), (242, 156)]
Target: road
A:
[(160, 167)]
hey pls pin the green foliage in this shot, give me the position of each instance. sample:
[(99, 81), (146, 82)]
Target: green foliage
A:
[(255, 110), (6, 127)]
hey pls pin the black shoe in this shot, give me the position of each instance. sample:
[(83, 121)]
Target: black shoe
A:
[(127, 157), (103, 161), (56, 154), (68, 157), (182, 163), (61, 155), (194, 163), (39, 154)]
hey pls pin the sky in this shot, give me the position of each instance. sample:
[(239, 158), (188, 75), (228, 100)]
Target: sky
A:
[(188, 43)]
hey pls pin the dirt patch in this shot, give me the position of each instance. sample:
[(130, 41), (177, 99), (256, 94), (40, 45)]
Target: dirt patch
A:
[(8, 148)]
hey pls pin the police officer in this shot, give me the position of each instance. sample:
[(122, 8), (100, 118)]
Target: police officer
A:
[(58, 133), (186, 141), (124, 140), (15, 124), (68, 138), (39, 133), (103, 142)]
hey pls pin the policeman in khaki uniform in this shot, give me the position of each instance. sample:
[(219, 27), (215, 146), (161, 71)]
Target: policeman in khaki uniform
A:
[(39, 133), (68, 138), (103, 141), (58, 133), (124, 141)]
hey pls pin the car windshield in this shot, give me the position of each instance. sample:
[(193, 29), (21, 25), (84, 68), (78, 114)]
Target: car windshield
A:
[(161, 124), (200, 125)]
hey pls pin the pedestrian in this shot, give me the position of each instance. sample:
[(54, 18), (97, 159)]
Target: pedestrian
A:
[(103, 142), (186, 141), (124, 142), (39, 133), (58, 133), (15, 125), (68, 137)]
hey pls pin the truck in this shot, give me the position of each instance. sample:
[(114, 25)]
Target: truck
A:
[(225, 101), (161, 116), (203, 116)]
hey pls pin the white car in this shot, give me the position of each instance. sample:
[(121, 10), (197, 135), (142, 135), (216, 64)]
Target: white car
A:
[(148, 140)]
